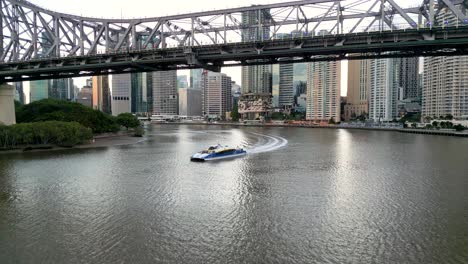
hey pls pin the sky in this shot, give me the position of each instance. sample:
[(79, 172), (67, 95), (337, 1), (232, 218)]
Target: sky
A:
[(155, 8)]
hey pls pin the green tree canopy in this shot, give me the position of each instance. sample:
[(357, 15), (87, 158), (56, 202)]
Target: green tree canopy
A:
[(128, 120), (235, 113), (57, 110)]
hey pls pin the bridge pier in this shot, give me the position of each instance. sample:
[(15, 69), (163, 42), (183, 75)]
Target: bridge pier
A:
[(7, 104)]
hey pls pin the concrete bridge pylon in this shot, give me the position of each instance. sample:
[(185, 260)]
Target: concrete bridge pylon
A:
[(7, 104)]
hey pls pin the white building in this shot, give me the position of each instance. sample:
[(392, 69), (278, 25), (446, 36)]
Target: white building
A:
[(216, 93), (383, 98), (121, 93), (445, 81), (190, 102)]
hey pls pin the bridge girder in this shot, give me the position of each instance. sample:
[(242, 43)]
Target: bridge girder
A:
[(33, 35)]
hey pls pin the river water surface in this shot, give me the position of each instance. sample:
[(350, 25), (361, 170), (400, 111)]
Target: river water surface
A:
[(300, 196)]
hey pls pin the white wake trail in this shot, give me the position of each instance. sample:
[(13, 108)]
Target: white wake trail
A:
[(273, 143)]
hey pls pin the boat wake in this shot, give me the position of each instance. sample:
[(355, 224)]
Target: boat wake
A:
[(267, 143)]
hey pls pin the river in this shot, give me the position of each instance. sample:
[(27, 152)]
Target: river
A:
[(299, 196)]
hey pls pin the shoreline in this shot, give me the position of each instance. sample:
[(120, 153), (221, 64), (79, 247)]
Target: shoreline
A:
[(399, 130), (100, 141)]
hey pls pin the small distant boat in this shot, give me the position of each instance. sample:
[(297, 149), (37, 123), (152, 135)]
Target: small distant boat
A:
[(218, 152)]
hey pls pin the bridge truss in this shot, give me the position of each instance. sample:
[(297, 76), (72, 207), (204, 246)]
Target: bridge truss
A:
[(36, 43)]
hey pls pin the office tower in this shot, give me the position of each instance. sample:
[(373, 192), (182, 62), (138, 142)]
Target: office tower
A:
[(165, 93), (383, 98), (283, 85), (101, 94), (257, 78), (20, 89), (190, 102), (359, 82), (62, 89), (196, 78), (182, 81), (121, 85), (85, 96), (141, 93), (39, 90), (323, 91), (216, 93)]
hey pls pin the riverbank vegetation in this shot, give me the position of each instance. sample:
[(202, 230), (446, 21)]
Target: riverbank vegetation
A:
[(57, 110), (48, 123), (48, 133)]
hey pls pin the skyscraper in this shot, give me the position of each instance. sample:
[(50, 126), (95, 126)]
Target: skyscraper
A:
[(409, 78), (62, 89), (257, 78), (39, 90), (283, 85), (101, 94), (385, 80), (323, 91), (20, 89), (445, 90), (190, 102), (121, 89), (182, 81), (165, 93), (216, 93), (141, 93), (196, 78), (359, 82)]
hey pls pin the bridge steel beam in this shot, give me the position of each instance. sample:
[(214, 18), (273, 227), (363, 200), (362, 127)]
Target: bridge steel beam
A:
[(450, 41), (51, 43)]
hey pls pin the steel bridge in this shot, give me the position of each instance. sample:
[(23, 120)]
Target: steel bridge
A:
[(36, 43)]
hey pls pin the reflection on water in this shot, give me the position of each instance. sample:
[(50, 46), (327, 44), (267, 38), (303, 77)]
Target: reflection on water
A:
[(300, 196)]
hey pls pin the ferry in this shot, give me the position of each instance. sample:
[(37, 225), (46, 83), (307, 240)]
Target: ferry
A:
[(218, 152)]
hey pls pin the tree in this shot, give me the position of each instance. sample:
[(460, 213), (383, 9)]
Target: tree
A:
[(435, 124), (331, 121), (459, 128), (449, 117), (427, 119), (128, 120), (57, 110), (235, 113)]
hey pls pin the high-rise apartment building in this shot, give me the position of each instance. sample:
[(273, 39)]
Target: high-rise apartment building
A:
[(384, 92), (323, 91), (121, 90), (165, 93), (409, 78), (445, 90), (258, 78), (216, 93), (359, 82), (101, 94), (190, 102)]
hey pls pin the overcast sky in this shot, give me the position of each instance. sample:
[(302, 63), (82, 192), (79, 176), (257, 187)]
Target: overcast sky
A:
[(153, 8)]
